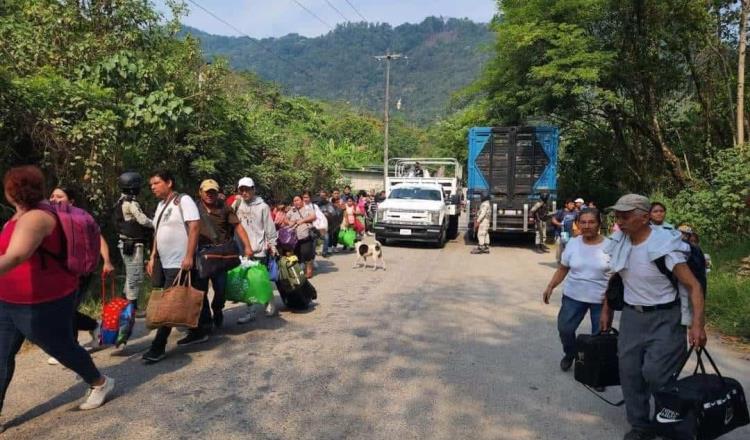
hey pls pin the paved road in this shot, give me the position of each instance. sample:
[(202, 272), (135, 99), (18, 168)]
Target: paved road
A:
[(444, 345)]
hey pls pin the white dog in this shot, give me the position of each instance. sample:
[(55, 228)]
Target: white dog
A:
[(364, 250)]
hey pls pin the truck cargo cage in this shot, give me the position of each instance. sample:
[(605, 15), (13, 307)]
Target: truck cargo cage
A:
[(512, 165)]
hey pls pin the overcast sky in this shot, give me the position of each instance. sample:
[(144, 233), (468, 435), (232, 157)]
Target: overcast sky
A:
[(274, 18)]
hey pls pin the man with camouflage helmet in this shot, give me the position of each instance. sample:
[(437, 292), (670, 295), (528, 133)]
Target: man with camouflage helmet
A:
[(134, 230)]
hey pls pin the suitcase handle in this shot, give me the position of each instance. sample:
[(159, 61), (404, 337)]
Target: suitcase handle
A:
[(611, 330)]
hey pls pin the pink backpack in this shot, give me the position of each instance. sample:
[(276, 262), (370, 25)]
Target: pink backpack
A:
[(80, 254)]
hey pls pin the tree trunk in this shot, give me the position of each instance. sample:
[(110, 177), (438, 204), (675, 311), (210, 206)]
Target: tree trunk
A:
[(741, 76)]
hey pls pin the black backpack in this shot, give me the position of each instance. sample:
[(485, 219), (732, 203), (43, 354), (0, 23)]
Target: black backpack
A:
[(696, 261)]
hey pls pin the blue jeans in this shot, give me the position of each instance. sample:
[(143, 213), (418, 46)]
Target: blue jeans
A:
[(326, 242), (49, 326), (571, 314)]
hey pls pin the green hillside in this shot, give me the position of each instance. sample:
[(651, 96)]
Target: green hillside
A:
[(443, 56)]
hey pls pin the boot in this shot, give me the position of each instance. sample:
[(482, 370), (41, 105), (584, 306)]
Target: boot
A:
[(477, 250), (485, 249), (538, 249)]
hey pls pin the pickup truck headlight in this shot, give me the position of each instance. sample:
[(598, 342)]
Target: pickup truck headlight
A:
[(380, 215), (435, 217)]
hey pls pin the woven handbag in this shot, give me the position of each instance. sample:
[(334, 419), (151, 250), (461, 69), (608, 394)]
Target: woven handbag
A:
[(177, 306)]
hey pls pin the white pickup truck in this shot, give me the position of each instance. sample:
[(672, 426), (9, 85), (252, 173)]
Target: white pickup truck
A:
[(419, 207)]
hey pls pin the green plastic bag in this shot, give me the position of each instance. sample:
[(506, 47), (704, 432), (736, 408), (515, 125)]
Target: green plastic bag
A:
[(347, 237), (259, 283), (249, 285)]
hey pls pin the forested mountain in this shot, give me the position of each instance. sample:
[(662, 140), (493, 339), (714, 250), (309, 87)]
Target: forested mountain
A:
[(444, 55)]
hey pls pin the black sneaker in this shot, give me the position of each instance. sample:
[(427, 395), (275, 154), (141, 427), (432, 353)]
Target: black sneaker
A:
[(637, 434), (193, 337), (566, 362), (218, 318), (153, 356)]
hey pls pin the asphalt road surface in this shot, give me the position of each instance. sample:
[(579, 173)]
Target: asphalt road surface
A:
[(442, 345)]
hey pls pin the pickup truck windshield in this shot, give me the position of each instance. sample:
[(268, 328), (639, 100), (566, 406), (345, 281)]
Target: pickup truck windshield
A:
[(415, 194)]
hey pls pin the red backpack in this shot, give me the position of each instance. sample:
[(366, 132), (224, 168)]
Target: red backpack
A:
[(80, 253)]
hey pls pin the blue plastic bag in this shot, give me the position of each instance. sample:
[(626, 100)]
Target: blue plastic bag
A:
[(273, 270)]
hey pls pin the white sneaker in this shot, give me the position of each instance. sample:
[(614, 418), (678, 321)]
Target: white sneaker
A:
[(52, 361), (270, 309), (249, 316), (98, 395)]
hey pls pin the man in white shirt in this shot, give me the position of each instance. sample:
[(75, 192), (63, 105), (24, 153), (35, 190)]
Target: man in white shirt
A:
[(177, 228), (652, 339)]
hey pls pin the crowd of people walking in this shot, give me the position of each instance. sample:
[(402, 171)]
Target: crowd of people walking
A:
[(42, 282), (40, 293)]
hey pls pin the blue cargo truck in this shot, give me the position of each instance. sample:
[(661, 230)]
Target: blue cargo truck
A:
[(514, 165)]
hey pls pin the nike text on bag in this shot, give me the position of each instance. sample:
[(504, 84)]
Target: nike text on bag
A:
[(82, 246), (700, 406), (178, 306)]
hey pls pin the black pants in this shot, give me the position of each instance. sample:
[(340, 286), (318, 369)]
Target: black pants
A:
[(204, 322), (47, 325)]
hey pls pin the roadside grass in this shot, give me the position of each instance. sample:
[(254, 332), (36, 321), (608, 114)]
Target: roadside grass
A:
[(728, 300)]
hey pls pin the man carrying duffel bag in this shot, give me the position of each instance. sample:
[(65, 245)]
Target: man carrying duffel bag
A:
[(652, 341)]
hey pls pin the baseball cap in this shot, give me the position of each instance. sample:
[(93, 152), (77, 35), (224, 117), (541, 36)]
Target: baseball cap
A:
[(579, 200), (246, 181), (209, 184), (630, 202)]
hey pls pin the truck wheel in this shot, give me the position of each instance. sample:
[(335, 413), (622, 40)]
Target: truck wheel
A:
[(441, 241), (453, 227), (381, 240)]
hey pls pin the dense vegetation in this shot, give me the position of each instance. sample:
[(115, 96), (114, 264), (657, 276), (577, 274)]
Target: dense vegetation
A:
[(91, 89), (644, 93), (444, 55)]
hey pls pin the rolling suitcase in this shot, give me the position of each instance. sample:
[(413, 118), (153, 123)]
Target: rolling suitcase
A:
[(596, 363)]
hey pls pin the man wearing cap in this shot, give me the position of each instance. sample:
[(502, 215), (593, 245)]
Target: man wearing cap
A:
[(255, 217), (579, 204), (652, 339), (218, 226)]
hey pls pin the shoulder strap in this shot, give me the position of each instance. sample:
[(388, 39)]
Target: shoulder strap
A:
[(209, 224), (166, 204), (661, 264)]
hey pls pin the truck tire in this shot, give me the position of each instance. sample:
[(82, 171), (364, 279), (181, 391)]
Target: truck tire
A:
[(382, 240), (442, 239), (453, 227)]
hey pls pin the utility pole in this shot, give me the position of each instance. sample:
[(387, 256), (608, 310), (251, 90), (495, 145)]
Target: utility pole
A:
[(387, 57), (744, 6)]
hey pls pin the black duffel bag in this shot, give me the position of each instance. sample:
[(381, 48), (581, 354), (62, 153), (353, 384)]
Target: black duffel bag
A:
[(215, 259), (596, 363), (701, 406)]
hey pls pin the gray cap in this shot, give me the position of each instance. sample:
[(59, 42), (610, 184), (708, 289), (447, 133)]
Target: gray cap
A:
[(630, 202)]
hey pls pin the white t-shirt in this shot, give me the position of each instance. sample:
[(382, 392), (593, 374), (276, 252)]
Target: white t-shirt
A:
[(171, 235), (644, 284), (589, 271)]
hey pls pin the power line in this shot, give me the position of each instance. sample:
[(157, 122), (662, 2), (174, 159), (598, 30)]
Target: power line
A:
[(356, 10), (337, 10), (317, 17), (231, 26)]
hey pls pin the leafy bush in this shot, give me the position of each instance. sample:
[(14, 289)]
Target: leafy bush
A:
[(717, 209)]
